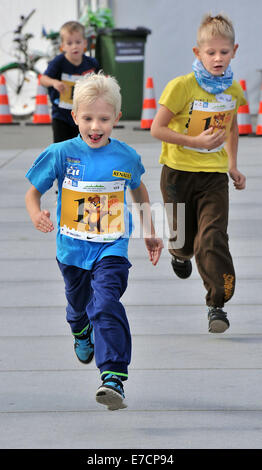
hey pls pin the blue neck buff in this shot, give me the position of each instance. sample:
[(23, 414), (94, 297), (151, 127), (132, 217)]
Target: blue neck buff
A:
[(212, 83)]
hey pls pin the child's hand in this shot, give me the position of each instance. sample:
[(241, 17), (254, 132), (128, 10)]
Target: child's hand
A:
[(210, 140), (59, 86), (42, 221), (154, 247), (238, 178)]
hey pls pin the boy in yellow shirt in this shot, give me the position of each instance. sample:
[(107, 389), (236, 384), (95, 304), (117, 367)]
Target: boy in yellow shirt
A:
[(197, 124)]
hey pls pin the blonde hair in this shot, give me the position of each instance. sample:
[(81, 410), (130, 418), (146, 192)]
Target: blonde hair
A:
[(213, 26), (93, 86), (71, 27)]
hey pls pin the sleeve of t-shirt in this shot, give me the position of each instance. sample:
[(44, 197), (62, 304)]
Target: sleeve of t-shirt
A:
[(174, 95), (137, 173), (96, 65), (241, 100), (54, 67), (44, 170)]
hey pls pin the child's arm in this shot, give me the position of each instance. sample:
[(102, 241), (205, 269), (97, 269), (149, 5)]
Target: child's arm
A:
[(160, 130), (40, 218), (154, 245), (47, 81), (231, 147)]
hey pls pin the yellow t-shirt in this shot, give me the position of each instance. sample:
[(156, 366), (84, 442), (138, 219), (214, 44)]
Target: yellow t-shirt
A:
[(187, 100)]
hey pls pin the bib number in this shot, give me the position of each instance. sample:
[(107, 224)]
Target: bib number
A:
[(204, 115), (92, 211)]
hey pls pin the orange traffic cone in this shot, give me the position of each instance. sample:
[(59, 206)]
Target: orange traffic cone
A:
[(5, 115), (41, 114), (259, 118), (149, 106), (243, 115)]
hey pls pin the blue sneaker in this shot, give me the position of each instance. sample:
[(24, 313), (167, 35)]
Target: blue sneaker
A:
[(84, 344), (111, 393)]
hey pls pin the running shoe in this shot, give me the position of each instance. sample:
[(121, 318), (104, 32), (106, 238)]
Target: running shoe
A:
[(182, 268), (84, 345), (111, 393), (217, 320)]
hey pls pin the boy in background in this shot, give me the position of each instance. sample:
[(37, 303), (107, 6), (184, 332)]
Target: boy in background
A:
[(60, 77)]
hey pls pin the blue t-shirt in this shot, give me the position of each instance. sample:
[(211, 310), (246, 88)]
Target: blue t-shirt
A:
[(58, 66), (104, 174)]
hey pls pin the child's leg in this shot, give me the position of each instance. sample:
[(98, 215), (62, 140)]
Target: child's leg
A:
[(177, 187), (212, 254), (78, 293), (107, 314)]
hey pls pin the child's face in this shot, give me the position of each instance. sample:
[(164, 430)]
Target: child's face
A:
[(95, 122), (73, 45), (216, 54)]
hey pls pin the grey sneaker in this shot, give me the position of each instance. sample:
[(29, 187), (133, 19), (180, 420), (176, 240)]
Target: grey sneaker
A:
[(217, 320), (111, 393)]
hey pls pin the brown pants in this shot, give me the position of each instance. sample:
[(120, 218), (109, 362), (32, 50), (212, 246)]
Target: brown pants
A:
[(206, 219)]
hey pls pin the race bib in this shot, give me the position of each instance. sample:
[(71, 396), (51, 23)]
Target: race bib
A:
[(204, 115), (66, 97), (92, 211)]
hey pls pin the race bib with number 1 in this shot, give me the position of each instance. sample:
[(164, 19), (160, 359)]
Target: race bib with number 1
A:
[(66, 96), (92, 211), (204, 115)]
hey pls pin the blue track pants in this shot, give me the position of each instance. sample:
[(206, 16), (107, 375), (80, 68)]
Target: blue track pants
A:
[(94, 295)]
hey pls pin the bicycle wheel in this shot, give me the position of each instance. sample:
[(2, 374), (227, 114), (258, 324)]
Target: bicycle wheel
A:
[(21, 89)]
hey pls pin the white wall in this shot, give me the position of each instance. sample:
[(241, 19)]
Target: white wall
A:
[(174, 24)]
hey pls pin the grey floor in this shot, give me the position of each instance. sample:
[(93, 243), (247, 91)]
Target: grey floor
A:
[(187, 389)]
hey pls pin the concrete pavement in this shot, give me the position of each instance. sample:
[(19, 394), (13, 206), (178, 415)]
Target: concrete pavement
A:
[(187, 389)]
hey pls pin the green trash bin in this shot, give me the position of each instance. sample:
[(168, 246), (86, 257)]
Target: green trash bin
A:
[(120, 52)]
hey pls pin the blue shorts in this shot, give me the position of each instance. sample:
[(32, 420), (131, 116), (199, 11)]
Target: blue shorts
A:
[(94, 295)]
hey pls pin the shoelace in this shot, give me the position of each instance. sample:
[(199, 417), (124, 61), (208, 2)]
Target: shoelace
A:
[(84, 342)]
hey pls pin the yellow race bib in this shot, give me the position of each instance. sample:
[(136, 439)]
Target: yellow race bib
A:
[(92, 211), (216, 115), (66, 97)]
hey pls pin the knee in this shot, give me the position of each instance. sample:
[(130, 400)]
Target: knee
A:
[(107, 310), (211, 239), (107, 304)]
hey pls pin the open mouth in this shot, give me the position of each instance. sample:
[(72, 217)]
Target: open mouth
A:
[(218, 68), (95, 138)]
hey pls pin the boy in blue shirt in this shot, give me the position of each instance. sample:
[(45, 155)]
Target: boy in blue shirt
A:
[(60, 77), (94, 226)]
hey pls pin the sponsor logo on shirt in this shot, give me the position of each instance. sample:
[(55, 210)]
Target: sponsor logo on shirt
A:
[(74, 170), (122, 174)]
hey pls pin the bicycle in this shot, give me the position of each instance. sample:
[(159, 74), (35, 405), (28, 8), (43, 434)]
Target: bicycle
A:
[(21, 76)]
